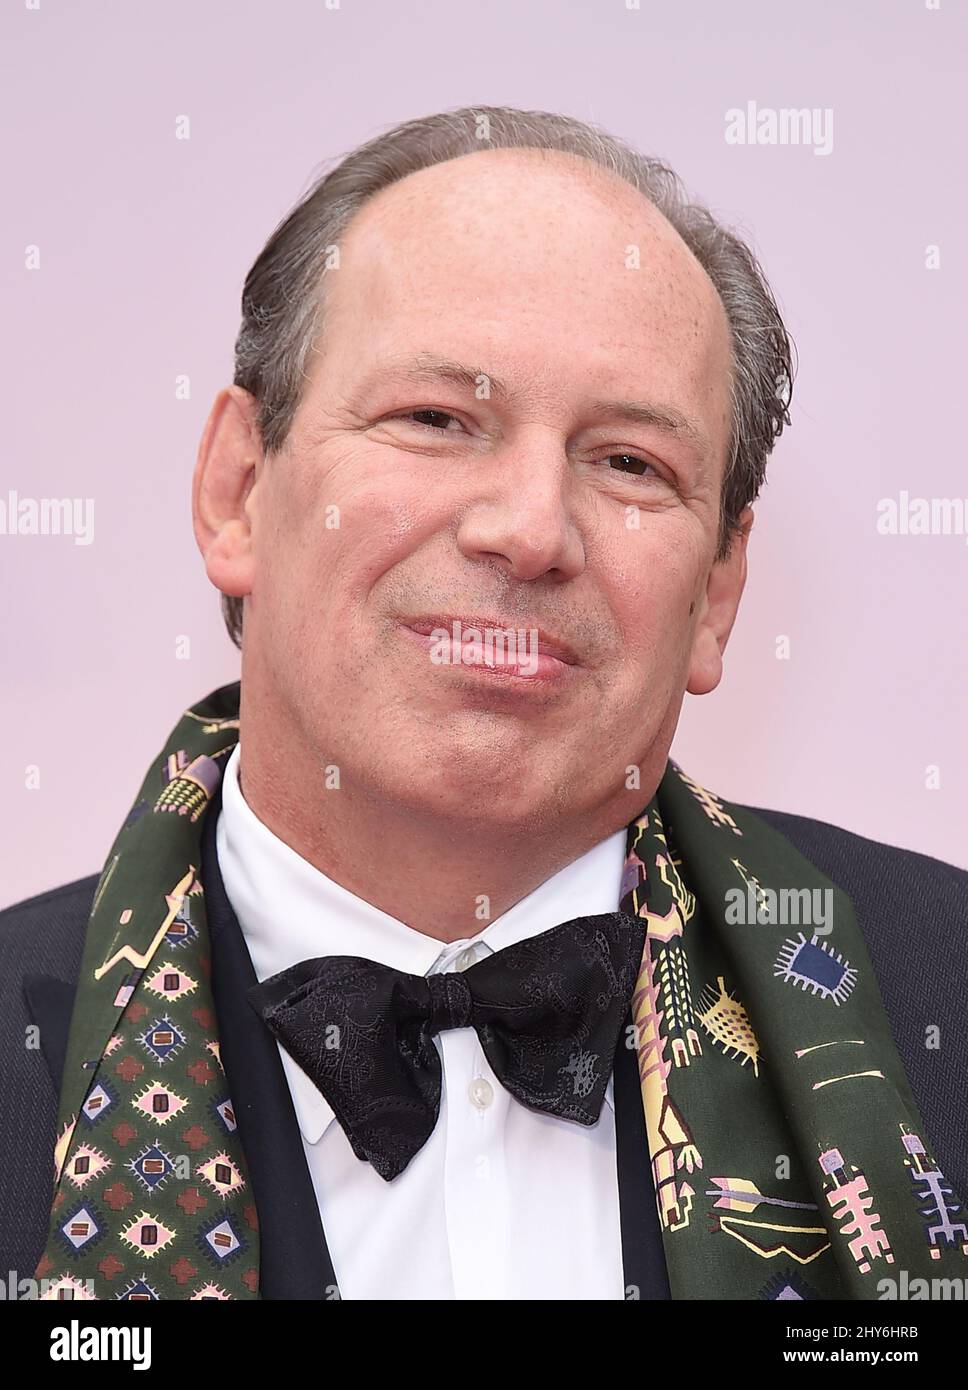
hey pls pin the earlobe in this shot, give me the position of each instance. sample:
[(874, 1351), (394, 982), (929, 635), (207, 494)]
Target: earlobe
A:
[(229, 453), (719, 606), (706, 664)]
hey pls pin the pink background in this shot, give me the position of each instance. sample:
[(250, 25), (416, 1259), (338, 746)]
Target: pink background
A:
[(145, 241)]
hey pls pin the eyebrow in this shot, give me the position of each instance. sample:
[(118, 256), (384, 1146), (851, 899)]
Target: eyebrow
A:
[(667, 419)]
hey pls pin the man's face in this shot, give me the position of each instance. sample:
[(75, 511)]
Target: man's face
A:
[(524, 497)]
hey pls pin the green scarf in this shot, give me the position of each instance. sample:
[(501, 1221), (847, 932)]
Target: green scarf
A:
[(785, 1146)]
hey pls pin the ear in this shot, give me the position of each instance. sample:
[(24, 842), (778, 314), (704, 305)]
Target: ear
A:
[(719, 604), (229, 460)]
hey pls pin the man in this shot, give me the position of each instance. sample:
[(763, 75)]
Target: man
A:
[(418, 970)]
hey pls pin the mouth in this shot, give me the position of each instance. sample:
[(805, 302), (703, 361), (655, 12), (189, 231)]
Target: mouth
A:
[(492, 647)]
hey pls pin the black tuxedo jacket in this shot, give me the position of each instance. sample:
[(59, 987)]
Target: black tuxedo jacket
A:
[(913, 912)]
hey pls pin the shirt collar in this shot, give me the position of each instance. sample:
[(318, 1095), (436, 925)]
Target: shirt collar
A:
[(290, 911)]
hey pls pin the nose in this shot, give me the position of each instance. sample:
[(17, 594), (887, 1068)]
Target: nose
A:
[(524, 517)]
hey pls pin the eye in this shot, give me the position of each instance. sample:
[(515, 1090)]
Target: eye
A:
[(631, 463), (429, 419)]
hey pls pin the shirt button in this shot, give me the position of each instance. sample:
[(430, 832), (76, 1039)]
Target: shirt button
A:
[(467, 957), (481, 1092)]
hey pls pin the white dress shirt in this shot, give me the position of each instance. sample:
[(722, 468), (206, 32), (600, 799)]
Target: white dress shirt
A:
[(501, 1201)]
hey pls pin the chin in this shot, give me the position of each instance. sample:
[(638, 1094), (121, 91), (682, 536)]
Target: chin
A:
[(483, 791)]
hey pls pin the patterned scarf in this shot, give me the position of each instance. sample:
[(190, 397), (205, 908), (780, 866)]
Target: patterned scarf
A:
[(786, 1150)]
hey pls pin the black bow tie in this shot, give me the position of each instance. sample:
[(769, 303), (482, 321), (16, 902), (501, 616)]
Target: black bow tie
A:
[(547, 1011)]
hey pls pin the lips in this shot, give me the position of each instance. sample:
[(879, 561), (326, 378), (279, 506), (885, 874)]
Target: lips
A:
[(546, 644), (512, 662)]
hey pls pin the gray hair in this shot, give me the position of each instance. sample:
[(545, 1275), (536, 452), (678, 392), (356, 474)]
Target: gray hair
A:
[(282, 297)]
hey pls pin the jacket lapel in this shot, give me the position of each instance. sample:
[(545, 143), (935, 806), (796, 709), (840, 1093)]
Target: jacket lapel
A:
[(643, 1257), (49, 1005)]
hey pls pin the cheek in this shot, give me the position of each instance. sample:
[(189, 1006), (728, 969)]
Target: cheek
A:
[(653, 580), (655, 577), (334, 525)]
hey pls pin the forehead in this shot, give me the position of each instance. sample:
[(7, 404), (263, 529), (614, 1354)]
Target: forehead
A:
[(535, 208), (538, 263)]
